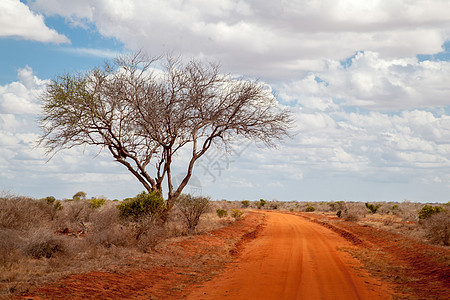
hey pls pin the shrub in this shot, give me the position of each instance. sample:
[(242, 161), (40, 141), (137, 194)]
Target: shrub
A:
[(339, 205), (394, 207), (142, 205), (236, 213), (339, 213), (261, 203), (22, 213), (8, 247), (372, 207), (44, 243), (429, 210), (353, 211), (245, 203), (76, 213), (437, 227), (222, 213), (96, 203), (310, 208), (49, 200), (106, 229), (192, 208), (149, 232)]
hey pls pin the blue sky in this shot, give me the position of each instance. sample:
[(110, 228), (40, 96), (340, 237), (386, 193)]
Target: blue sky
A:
[(367, 82)]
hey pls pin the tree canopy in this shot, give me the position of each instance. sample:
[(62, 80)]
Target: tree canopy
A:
[(144, 110)]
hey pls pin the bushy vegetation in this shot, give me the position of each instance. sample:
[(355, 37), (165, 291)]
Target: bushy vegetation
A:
[(372, 207), (48, 229), (310, 208), (142, 205), (192, 209), (97, 202), (245, 203), (221, 213), (437, 226), (261, 203), (49, 235), (428, 210), (236, 213)]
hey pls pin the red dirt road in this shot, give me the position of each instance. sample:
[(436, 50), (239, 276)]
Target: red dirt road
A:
[(292, 258)]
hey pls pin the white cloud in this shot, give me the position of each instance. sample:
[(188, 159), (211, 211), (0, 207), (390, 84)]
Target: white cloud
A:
[(371, 82), (366, 109), (21, 97), (266, 37), (16, 20)]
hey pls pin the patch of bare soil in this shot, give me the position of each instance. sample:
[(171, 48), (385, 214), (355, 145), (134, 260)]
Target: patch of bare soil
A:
[(164, 274), (419, 270)]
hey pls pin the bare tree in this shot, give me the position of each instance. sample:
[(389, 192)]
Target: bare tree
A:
[(145, 110)]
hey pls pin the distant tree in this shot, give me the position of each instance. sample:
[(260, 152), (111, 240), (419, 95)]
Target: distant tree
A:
[(143, 111), (79, 196)]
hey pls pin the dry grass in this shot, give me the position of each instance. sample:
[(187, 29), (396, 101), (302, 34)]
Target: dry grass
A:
[(40, 243)]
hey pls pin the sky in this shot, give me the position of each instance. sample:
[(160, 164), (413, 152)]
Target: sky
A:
[(368, 83)]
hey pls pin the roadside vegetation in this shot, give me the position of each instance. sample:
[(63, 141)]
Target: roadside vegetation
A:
[(44, 239), (428, 223)]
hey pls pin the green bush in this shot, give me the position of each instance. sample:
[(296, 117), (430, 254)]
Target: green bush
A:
[(260, 203), (222, 213), (372, 207), (339, 213), (245, 203), (429, 210), (236, 213), (310, 209), (96, 203), (142, 205)]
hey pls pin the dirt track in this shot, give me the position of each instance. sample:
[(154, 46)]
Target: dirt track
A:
[(292, 258)]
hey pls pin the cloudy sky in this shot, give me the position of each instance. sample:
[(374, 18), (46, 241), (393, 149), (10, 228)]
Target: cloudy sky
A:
[(367, 81)]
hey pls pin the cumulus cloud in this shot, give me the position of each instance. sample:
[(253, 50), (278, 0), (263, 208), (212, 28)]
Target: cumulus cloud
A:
[(367, 81), (274, 39), (365, 107), (21, 97), (16, 20)]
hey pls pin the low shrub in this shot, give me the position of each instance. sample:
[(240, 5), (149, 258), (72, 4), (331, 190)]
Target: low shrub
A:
[(96, 203), (310, 208), (429, 210), (8, 248), (44, 243), (353, 211), (437, 227), (372, 207), (261, 203), (394, 207), (149, 232), (236, 213), (22, 212), (142, 205), (222, 213), (192, 209), (339, 213), (106, 229), (245, 203)]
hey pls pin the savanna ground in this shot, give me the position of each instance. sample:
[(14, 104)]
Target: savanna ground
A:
[(85, 251)]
